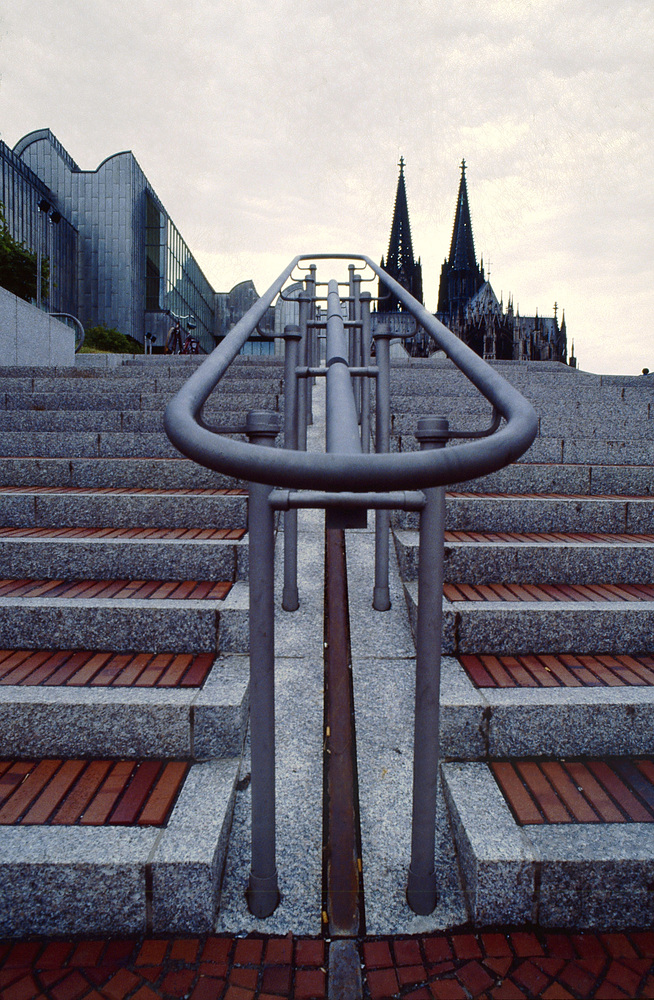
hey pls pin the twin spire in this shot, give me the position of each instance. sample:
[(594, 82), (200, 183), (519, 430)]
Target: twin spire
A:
[(400, 248), (400, 262), (462, 248)]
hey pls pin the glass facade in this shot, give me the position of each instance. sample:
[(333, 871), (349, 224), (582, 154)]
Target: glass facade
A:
[(21, 193), (187, 291), (154, 257)]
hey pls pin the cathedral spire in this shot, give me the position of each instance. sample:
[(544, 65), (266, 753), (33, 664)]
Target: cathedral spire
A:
[(461, 277), (462, 249), (400, 262), (400, 248)]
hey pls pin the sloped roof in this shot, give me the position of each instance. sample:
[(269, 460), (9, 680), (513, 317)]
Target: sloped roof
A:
[(485, 301)]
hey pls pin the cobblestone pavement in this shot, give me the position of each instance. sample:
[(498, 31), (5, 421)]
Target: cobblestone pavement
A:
[(447, 966)]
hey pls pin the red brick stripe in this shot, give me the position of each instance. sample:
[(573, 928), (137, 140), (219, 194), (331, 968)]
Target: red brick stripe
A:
[(74, 668), (212, 534), (91, 793), (549, 592), (560, 670), (610, 791), (118, 589), (118, 490), (542, 538)]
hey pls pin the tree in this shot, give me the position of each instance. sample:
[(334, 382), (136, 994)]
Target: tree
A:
[(18, 266)]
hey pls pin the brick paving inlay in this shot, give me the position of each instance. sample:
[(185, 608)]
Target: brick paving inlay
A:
[(178, 590), (100, 668), (615, 790), (136, 534), (550, 537), (548, 592), (490, 964), (89, 792), (559, 670)]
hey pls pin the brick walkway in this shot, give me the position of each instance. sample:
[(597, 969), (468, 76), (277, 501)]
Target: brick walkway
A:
[(454, 966)]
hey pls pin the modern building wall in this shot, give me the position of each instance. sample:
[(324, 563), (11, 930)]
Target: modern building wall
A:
[(134, 266), (35, 218)]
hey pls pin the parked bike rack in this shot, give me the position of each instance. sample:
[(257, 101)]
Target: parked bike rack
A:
[(347, 481)]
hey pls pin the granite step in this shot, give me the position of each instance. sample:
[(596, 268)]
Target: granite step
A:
[(581, 853), (111, 473), (559, 618), (139, 704), (123, 553), (107, 398), (85, 444), (574, 479), (124, 616), (540, 512), (538, 704), (134, 382), (629, 422), (482, 557), (562, 451), (126, 877), (122, 507), (115, 419)]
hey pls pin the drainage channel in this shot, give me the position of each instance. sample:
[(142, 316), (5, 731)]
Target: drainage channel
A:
[(343, 909)]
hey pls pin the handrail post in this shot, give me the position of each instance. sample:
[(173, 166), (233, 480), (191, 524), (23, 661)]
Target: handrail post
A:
[(292, 337), (263, 891), (313, 355), (351, 315), (356, 337), (364, 361), (421, 885), (304, 301), (381, 600)]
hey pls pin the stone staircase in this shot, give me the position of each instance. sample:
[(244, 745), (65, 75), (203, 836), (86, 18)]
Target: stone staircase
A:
[(123, 649), (124, 668), (548, 697)]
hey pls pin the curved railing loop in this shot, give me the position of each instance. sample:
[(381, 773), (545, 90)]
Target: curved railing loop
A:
[(357, 472)]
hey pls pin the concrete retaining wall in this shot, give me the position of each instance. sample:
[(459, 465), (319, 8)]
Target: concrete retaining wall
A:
[(29, 336)]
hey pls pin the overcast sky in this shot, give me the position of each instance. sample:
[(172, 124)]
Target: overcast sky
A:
[(270, 128)]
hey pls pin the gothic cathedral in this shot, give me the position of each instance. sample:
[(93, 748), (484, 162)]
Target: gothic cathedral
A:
[(467, 303)]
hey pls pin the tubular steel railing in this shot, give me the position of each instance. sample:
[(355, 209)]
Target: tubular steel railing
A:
[(347, 481)]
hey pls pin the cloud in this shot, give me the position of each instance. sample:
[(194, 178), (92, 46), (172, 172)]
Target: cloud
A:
[(269, 129)]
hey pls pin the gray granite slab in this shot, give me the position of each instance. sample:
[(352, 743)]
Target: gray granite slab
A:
[(383, 669), (152, 473), (119, 558), (123, 510), (531, 561), (299, 749), (515, 513), (123, 626), (220, 708), (74, 880), (497, 860), (560, 875), (514, 628), (187, 860), (132, 722), (570, 721), (598, 876), (233, 613), (135, 722)]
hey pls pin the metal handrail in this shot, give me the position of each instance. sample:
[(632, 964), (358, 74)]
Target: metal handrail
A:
[(308, 470), (346, 481)]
